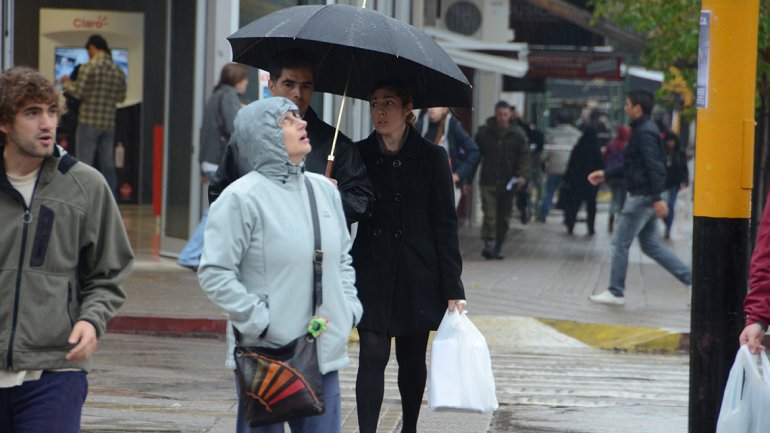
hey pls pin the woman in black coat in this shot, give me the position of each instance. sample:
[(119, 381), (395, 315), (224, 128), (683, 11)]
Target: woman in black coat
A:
[(677, 175), (585, 158), (406, 255)]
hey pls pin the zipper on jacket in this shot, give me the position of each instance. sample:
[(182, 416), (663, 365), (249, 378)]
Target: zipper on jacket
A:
[(69, 301), (26, 219)]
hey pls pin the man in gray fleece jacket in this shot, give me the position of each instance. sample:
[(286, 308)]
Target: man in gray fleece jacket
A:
[(65, 253)]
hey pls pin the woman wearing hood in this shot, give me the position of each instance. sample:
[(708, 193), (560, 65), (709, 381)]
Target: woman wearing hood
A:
[(406, 255), (257, 261)]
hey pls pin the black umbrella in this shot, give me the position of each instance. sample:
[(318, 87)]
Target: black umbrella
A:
[(355, 49)]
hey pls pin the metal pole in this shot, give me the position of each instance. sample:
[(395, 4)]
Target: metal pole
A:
[(723, 181)]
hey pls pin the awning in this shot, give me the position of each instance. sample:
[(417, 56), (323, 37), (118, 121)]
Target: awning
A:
[(473, 53), (640, 72)]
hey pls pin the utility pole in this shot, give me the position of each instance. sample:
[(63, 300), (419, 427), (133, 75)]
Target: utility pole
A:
[(727, 61)]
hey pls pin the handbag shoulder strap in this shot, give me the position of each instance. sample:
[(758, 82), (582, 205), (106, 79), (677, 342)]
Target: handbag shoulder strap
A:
[(318, 257)]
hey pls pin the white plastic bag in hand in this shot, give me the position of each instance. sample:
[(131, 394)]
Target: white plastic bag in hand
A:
[(746, 401), (460, 367)]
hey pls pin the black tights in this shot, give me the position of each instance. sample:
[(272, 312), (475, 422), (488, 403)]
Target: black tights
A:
[(370, 382)]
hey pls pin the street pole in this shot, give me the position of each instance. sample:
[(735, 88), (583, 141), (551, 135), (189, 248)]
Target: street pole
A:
[(727, 59)]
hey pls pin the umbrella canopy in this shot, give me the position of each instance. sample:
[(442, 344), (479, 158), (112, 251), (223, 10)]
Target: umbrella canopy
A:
[(355, 49)]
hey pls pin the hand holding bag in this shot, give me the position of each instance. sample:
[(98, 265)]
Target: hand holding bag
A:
[(747, 395), (460, 367), (284, 383)]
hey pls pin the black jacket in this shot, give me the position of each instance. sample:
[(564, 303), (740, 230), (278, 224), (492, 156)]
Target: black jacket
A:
[(352, 181), (644, 161), (585, 157), (677, 172), (406, 254)]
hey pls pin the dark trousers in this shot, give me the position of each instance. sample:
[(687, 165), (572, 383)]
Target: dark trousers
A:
[(572, 205), (51, 404), (497, 205), (370, 382)]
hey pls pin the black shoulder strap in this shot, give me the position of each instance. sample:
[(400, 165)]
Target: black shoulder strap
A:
[(318, 255)]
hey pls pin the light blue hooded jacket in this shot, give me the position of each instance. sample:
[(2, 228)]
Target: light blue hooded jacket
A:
[(258, 246)]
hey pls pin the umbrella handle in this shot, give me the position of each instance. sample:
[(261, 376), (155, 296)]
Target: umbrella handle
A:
[(329, 166), (330, 159)]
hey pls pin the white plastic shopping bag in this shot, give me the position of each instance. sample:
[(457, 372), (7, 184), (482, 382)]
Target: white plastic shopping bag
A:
[(746, 401), (460, 367)]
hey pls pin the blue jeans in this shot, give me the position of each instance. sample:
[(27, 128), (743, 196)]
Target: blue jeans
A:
[(52, 404), (671, 202), (618, 191), (191, 253), (637, 219), (330, 421), (91, 141), (551, 185)]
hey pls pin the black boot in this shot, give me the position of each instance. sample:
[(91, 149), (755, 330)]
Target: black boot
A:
[(489, 250), (611, 223), (496, 254)]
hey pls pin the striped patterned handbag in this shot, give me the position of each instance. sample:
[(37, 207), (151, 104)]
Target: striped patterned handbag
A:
[(279, 384)]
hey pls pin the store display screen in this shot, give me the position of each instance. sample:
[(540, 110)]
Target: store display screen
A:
[(68, 57)]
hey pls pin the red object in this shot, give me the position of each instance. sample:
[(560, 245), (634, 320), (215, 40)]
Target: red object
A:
[(176, 326), (757, 302), (126, 191), (157, 169), (573, 65)]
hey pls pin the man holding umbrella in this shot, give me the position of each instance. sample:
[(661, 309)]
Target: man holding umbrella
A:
[(292, 76)]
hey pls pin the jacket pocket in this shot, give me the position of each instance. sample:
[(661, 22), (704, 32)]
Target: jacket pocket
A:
[(46, 313), (42, 236)]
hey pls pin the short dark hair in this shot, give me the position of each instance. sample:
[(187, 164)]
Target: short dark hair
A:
[(642, 98), (291, 59), (21, 85), (98, 42), (502, 104)]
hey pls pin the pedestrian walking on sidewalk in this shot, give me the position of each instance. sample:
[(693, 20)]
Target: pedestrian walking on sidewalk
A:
[(218, 118), (756, 306), (559, 142), (438, 125), (585, 158), (677, 175), (258, 254), (644, 175), (406, 255), (613, 157), (65, 255), (504, 165)]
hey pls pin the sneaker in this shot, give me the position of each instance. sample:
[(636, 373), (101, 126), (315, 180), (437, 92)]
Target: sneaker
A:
[(606, 297)]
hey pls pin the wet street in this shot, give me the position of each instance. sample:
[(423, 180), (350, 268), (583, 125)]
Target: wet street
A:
[(164, 384)]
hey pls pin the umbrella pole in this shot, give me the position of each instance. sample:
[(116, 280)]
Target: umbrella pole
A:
[(330, 158)]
